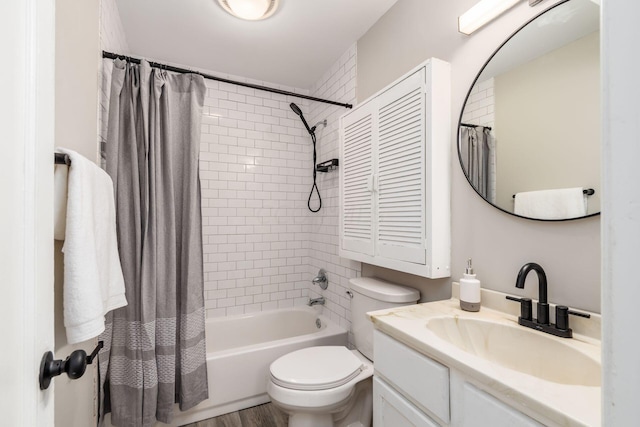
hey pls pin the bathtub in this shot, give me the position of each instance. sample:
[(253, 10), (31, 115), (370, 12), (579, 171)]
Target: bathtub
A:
[(241, 348)]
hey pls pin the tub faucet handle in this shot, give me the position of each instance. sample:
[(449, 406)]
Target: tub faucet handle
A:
[(321, 279)]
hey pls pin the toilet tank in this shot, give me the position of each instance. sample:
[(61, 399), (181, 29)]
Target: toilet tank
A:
[(370, 294)]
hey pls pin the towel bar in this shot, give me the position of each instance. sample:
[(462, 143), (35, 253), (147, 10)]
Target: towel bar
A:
[(61, 159), (587, 191)]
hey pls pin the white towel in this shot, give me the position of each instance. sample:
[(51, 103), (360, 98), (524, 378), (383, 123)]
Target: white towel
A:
[(93, 281), (562, 203)]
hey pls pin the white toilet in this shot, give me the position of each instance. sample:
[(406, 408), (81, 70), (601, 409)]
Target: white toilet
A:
[(331, 386)]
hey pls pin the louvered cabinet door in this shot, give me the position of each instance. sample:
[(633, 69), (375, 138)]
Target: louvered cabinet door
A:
[(401, 171), (357, 169), (395, 175)]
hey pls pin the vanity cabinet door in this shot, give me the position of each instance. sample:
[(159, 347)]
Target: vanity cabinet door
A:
[(418, 377), (482, 409), (390, 409)]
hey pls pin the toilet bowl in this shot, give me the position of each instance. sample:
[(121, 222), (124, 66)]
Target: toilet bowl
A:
[(323, 387), (331, 386)]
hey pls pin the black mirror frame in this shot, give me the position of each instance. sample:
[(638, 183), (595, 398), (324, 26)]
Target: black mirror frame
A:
[(475, 80)]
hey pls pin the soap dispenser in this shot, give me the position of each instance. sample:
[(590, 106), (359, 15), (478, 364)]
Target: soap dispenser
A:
[(469, 290)]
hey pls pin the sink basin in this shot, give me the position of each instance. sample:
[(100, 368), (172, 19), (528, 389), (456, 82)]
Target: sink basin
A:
[(519, 348)]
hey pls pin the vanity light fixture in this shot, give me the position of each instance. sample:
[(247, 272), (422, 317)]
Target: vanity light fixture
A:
[(250, 10), (481, 13)]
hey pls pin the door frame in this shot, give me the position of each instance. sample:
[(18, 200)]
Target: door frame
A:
[(27, 85)]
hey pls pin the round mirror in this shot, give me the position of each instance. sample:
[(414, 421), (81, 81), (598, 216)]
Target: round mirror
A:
[(529, 131)]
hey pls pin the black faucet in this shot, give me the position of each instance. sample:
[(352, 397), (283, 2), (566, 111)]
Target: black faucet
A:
[(561, 328), (543, 305)]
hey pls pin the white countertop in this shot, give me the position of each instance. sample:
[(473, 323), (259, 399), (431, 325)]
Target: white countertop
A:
[(560, 404)]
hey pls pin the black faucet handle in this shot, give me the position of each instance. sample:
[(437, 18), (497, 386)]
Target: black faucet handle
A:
[(580, 314), (562, 316), (526, 305)]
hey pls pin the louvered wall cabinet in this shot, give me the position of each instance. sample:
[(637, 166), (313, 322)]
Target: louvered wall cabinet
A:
[(395, 175)]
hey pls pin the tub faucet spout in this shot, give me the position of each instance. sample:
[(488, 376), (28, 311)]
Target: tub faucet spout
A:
[(315, 301)]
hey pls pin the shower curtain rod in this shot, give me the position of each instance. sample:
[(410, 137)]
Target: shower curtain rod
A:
[(111, 55)]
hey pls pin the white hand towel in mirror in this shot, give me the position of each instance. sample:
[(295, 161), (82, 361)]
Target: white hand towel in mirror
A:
[(562, 203), (93, 281)]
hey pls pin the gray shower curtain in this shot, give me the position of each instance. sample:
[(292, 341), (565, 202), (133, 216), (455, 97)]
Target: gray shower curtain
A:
[(154, 353), (478, 156)]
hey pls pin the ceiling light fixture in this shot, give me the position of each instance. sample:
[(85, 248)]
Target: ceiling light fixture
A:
[(481, 13), (250, 10)]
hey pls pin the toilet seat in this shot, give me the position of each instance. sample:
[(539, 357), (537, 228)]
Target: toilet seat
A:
[(316, 368)]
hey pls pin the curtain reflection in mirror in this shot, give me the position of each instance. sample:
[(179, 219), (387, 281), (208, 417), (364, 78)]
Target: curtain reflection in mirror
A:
[(478, 154)]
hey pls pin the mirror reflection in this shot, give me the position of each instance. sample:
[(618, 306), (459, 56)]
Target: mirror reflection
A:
[(529, 135)]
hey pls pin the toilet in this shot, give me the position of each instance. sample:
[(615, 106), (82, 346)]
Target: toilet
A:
[(330, 386)]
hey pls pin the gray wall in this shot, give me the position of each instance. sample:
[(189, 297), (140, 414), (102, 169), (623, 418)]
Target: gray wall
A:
[(498, 243), (562, 96), (76, 126)]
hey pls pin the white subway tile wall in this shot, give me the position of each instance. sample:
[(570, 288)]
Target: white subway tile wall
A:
[(255, 171), (338, 83), (479, 109), (262, 246)]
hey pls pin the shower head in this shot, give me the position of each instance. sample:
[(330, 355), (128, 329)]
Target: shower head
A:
[(298, 111)]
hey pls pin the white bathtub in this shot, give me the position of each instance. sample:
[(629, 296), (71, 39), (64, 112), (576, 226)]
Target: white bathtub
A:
[(241, 348)]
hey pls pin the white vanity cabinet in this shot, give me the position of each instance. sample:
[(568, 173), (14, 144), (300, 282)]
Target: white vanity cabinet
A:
[(390, 408), (409, 389), (395, 175), (413, 390), (474, 407)]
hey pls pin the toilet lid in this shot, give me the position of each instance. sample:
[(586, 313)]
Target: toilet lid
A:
[(316, 368)]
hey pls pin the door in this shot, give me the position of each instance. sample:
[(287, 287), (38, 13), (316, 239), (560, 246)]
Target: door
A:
[(26, 217), (357, 184), (401, 171)]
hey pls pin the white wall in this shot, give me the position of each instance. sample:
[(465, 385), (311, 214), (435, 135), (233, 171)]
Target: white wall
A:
[(77, 59), (498, 243), (620, 216)]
